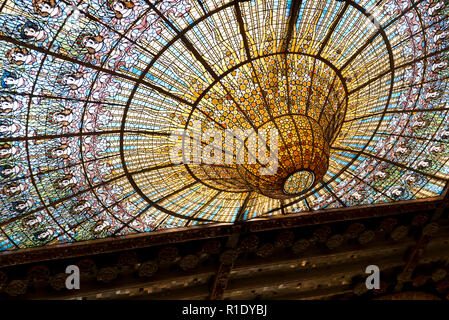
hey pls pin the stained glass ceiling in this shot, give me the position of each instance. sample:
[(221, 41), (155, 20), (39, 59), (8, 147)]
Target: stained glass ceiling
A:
[(91, 91)]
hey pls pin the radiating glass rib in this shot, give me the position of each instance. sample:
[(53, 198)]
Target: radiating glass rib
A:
[(33, 180), (399, 67), (82, 120), (329, 189), (160, 200), (374, 36), (111, 29), (332, 28), (367, 154)]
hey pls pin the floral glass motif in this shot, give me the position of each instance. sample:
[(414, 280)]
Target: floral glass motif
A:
[(299, 182), (90, 91)]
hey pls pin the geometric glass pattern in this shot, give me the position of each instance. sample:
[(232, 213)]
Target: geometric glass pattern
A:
[(92, 89), (299, 182)]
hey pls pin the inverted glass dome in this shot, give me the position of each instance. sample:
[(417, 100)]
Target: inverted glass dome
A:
[(92, 91)]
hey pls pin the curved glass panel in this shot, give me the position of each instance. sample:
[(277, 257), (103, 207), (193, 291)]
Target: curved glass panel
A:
[(93, 91)]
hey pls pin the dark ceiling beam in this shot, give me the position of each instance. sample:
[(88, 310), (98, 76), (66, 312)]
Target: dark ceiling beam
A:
[(221, 281), (419, 248), (409, 296), (225, 267), (327, 270), (317, 269), (412, 260)]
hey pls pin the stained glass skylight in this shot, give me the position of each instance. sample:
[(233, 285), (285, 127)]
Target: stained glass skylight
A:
[(91, 92)]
